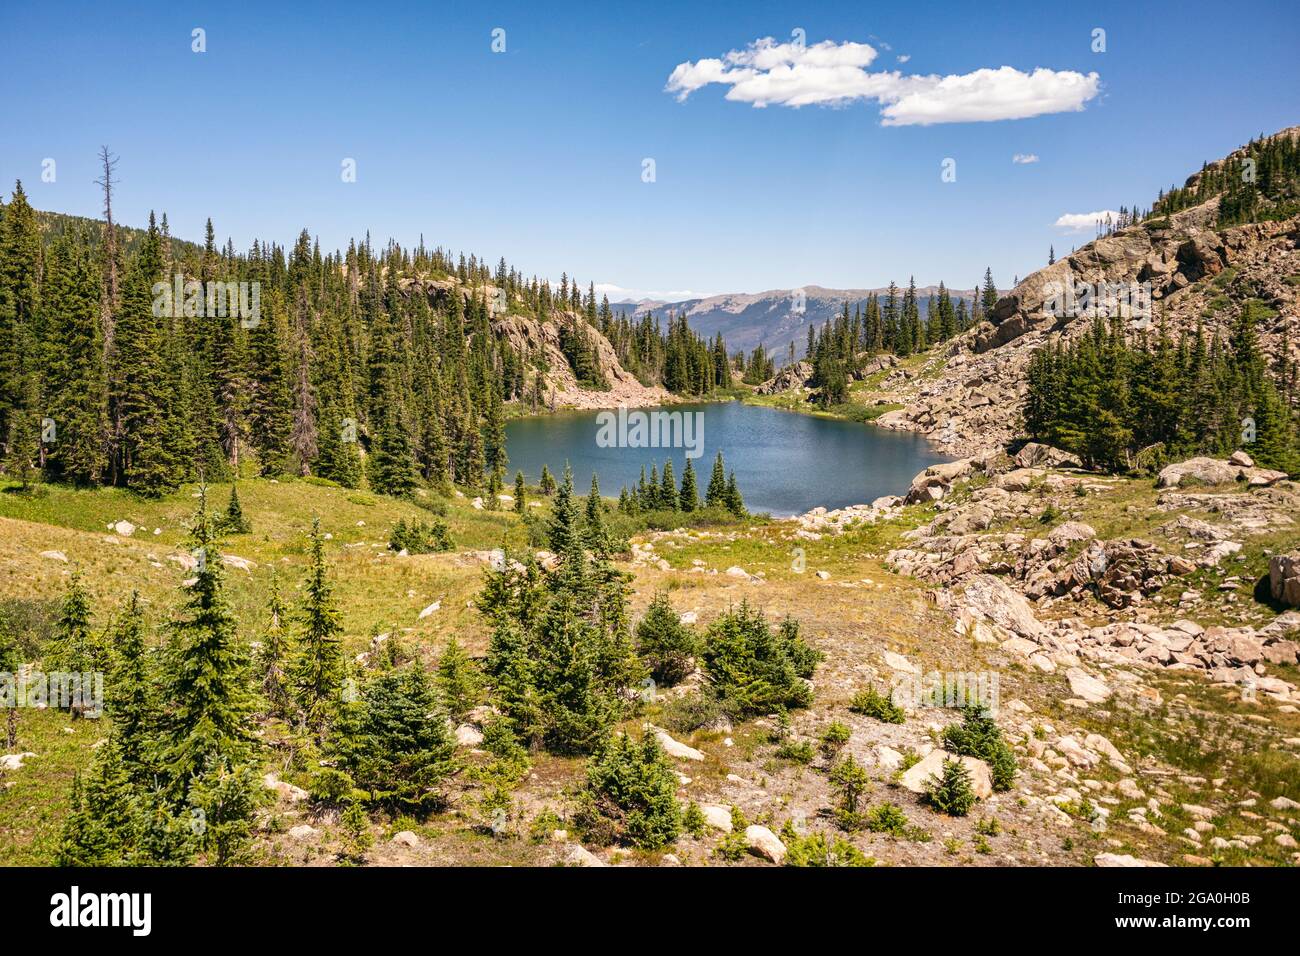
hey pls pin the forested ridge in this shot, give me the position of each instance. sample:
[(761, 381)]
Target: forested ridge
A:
[(388, 366), (1126, 396)]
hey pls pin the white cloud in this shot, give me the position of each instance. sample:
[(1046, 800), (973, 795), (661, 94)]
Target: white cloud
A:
[(1083, 221), (618, 293), (833, 74), (1024, 159), (904, 57)]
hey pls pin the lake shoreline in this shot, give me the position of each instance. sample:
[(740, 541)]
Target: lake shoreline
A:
[(786, 465)]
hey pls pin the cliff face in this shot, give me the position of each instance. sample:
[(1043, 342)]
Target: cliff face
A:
[(538, 342), (970, 399), (559, 384)]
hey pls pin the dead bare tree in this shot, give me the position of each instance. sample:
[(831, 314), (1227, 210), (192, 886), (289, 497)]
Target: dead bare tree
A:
[(302, 438), (108, 302)]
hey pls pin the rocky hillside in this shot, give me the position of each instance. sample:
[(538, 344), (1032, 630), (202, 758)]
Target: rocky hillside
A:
[(541, 340), (970, 397)]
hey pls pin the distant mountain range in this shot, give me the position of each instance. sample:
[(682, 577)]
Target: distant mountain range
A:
[(770, 318)]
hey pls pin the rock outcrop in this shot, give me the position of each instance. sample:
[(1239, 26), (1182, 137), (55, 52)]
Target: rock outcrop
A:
[(969, 399), (792, 376), (1284, 579)]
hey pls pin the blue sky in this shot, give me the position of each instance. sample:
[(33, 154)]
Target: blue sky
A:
[(537, 153)]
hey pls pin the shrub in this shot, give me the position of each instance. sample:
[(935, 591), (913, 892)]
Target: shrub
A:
[(356, 838), (760, 670), (799, 751), (332, 786), (631, 794), (978, 735), (510, 762), (665, 644), (850, 782), (694, 712), (886, 818), (734, 846), (815, 850), (872, 703), (543, 825), (420, 538), (458, 681), (952, 793), (834, 737), (693, 821), (394, 741)]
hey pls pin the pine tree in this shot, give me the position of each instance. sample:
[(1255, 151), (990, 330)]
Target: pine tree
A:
[(97, 831), (20, 301), (715, 496), (132, 700), (521, 503), (394, 742), (494, 441), (564, 533), (233, 520), (273, 654), (208, 720), (668, 487), (316, 673), (688, 499), (989, 294), (139, 396), (664, 642), (732, 500), (74, 647), (391, 468), (457, 681), (76, 383)]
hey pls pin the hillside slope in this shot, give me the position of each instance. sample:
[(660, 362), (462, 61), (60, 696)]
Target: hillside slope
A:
[(970, 397)]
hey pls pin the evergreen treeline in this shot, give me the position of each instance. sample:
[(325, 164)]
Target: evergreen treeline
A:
[(679, 360), (892, 324), (1123, 402), (1262, 185), (348, 371), (660, 492)]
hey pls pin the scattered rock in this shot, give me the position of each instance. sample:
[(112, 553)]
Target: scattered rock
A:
[(468, 736), (286, 791), (578, 855), (675, 748), (765, 843), (14, 761), (716, 816), (1122, 859), (1087, 687), (931, 767), (1284, 578)]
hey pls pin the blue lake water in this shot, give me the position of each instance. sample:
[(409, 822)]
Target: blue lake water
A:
[(785, 463)]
